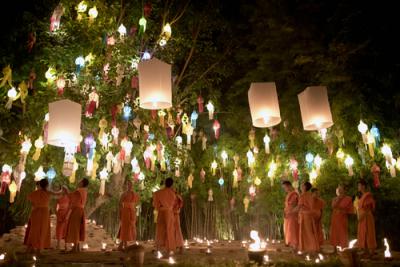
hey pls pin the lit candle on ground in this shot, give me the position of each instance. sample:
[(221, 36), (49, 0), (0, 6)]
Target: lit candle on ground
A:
[(320, 256), (299, 252), (208, 251), (34, 258), (387, 249), (171, 260), (317, 260), (85, 247), (103, 246), (339, 248), (159, 255), (352, 243), (308, 258), (2, 256), (186, 244), (266, 258)]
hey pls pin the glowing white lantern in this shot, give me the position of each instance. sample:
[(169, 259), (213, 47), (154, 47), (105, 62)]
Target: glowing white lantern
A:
[(155, 89), (264, 105), (103, 178), (363, 128), (122, 30), (349, 164), (315, 109), (224, 157), (214, 166), (93, 13), (387, 152), (266, 140), (64, 123), (39, 174)]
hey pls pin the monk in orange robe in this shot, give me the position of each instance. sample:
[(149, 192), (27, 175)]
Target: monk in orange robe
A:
[(342, 206), (308, 233), (366, 238), (318, 207), (177, 219), (76, 223), (291, 220), (127, 211), (37, 236), (62, 212), (164, 201)]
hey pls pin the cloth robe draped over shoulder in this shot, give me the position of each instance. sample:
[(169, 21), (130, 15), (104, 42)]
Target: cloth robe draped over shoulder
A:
[(291, 221), (38, 233), (366, 222), (62, 216), (308, 233), (341, 208), (177, 219), (164, 201), (76, 223), (127, 229), (318, 207)]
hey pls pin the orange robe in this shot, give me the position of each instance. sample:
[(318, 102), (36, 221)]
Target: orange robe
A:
[(62, 216), (127, 229), (76, 223), (341, 208), (308, 233), (164, 201), (366, 222), (291, 220), (38, 231), (177, 219), (319, 205)]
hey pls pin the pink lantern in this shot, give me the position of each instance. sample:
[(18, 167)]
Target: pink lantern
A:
[(315, 109), (216, 128), (200, 103), (264, 105), (155, 85)]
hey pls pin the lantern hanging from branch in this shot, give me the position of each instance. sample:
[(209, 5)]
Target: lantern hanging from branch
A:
[(315, 109), (155, 90), (264, 105)]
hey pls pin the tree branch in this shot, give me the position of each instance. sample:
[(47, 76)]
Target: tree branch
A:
[(176, 18), (189, 56)]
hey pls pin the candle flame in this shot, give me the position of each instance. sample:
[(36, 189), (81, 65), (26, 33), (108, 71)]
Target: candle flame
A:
[(387, 249), (352, 243), (266, 258), (159, 255), (339, 248), (171, 260), (308, 258), (256, 245), (85, 246), (2, 256), (103, 245), (321, 257)]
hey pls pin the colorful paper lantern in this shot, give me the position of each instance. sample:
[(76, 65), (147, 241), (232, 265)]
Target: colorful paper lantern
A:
[(155, 86), (315, 109), (264, 105)]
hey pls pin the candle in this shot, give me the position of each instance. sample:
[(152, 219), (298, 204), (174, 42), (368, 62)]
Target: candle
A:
[(171, 260), (159, 255), (103, 246)]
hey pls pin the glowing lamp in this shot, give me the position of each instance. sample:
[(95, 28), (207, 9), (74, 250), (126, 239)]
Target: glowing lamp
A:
[(13, 191), (214, 166), (155, 89), (349, 164), (122, 30), (224, 157), (50, 74), (39, 174), (221, 181), (387, 152), (64, 123), (257, 181), (315, 109), (143, 23), (51, 174), (93, 13), (264, 105), (82, 6)]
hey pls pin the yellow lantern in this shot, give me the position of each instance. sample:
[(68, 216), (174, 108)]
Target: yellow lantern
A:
[(214, 166), (155, 90), (315, 109), (13, 191), (264, 105)]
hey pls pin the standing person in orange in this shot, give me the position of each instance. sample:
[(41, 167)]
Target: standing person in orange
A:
[(38, 232), (308, 233), (177, 219), (76, 223), (342, 206), (291, 216), (62, 211), (127, 216), (366, 223), (164, 201), (319, 205)]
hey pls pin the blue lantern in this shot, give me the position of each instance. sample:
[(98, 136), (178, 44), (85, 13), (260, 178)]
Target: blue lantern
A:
[(309, 159), (376, 134), (221, 181), (127, 112), (146, 56), (151, 136), (193, 118), (80, 63), (51, 174)]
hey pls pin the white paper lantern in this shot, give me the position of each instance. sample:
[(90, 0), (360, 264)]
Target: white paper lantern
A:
[(264, 105), (315, 109), (64, 123), (155, 89)]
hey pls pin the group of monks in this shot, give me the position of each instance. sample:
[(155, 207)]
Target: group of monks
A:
[(303, 218), (70, 216), (71, 219)]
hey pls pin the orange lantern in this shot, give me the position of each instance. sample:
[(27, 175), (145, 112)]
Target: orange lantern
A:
[(155, 89), (264, 105), (315, 109)]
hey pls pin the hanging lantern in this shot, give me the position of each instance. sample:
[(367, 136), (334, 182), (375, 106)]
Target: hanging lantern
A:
[(224, 157), (363, 128), (340, 154), (264, 105), (51, 174), (80, 63), (266, 140), (371, 144), (221, 181), (210, 108), (103, 178), (216, 128), (122, 31), (93, 13), (13, 191), (214, 166), (193, 118), (12, 96), (246, 202), (202, 175), (294, 167), (5, 178), (375, 132), (387, 152), (190, 181), (317, 162), (272, 168), (250, 159), (155, 84), (200, 104), (39, 174), (313, 176), (315, 109), (257, 181), (349, 164), (60, 85), (309, 159), (142, 24)]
